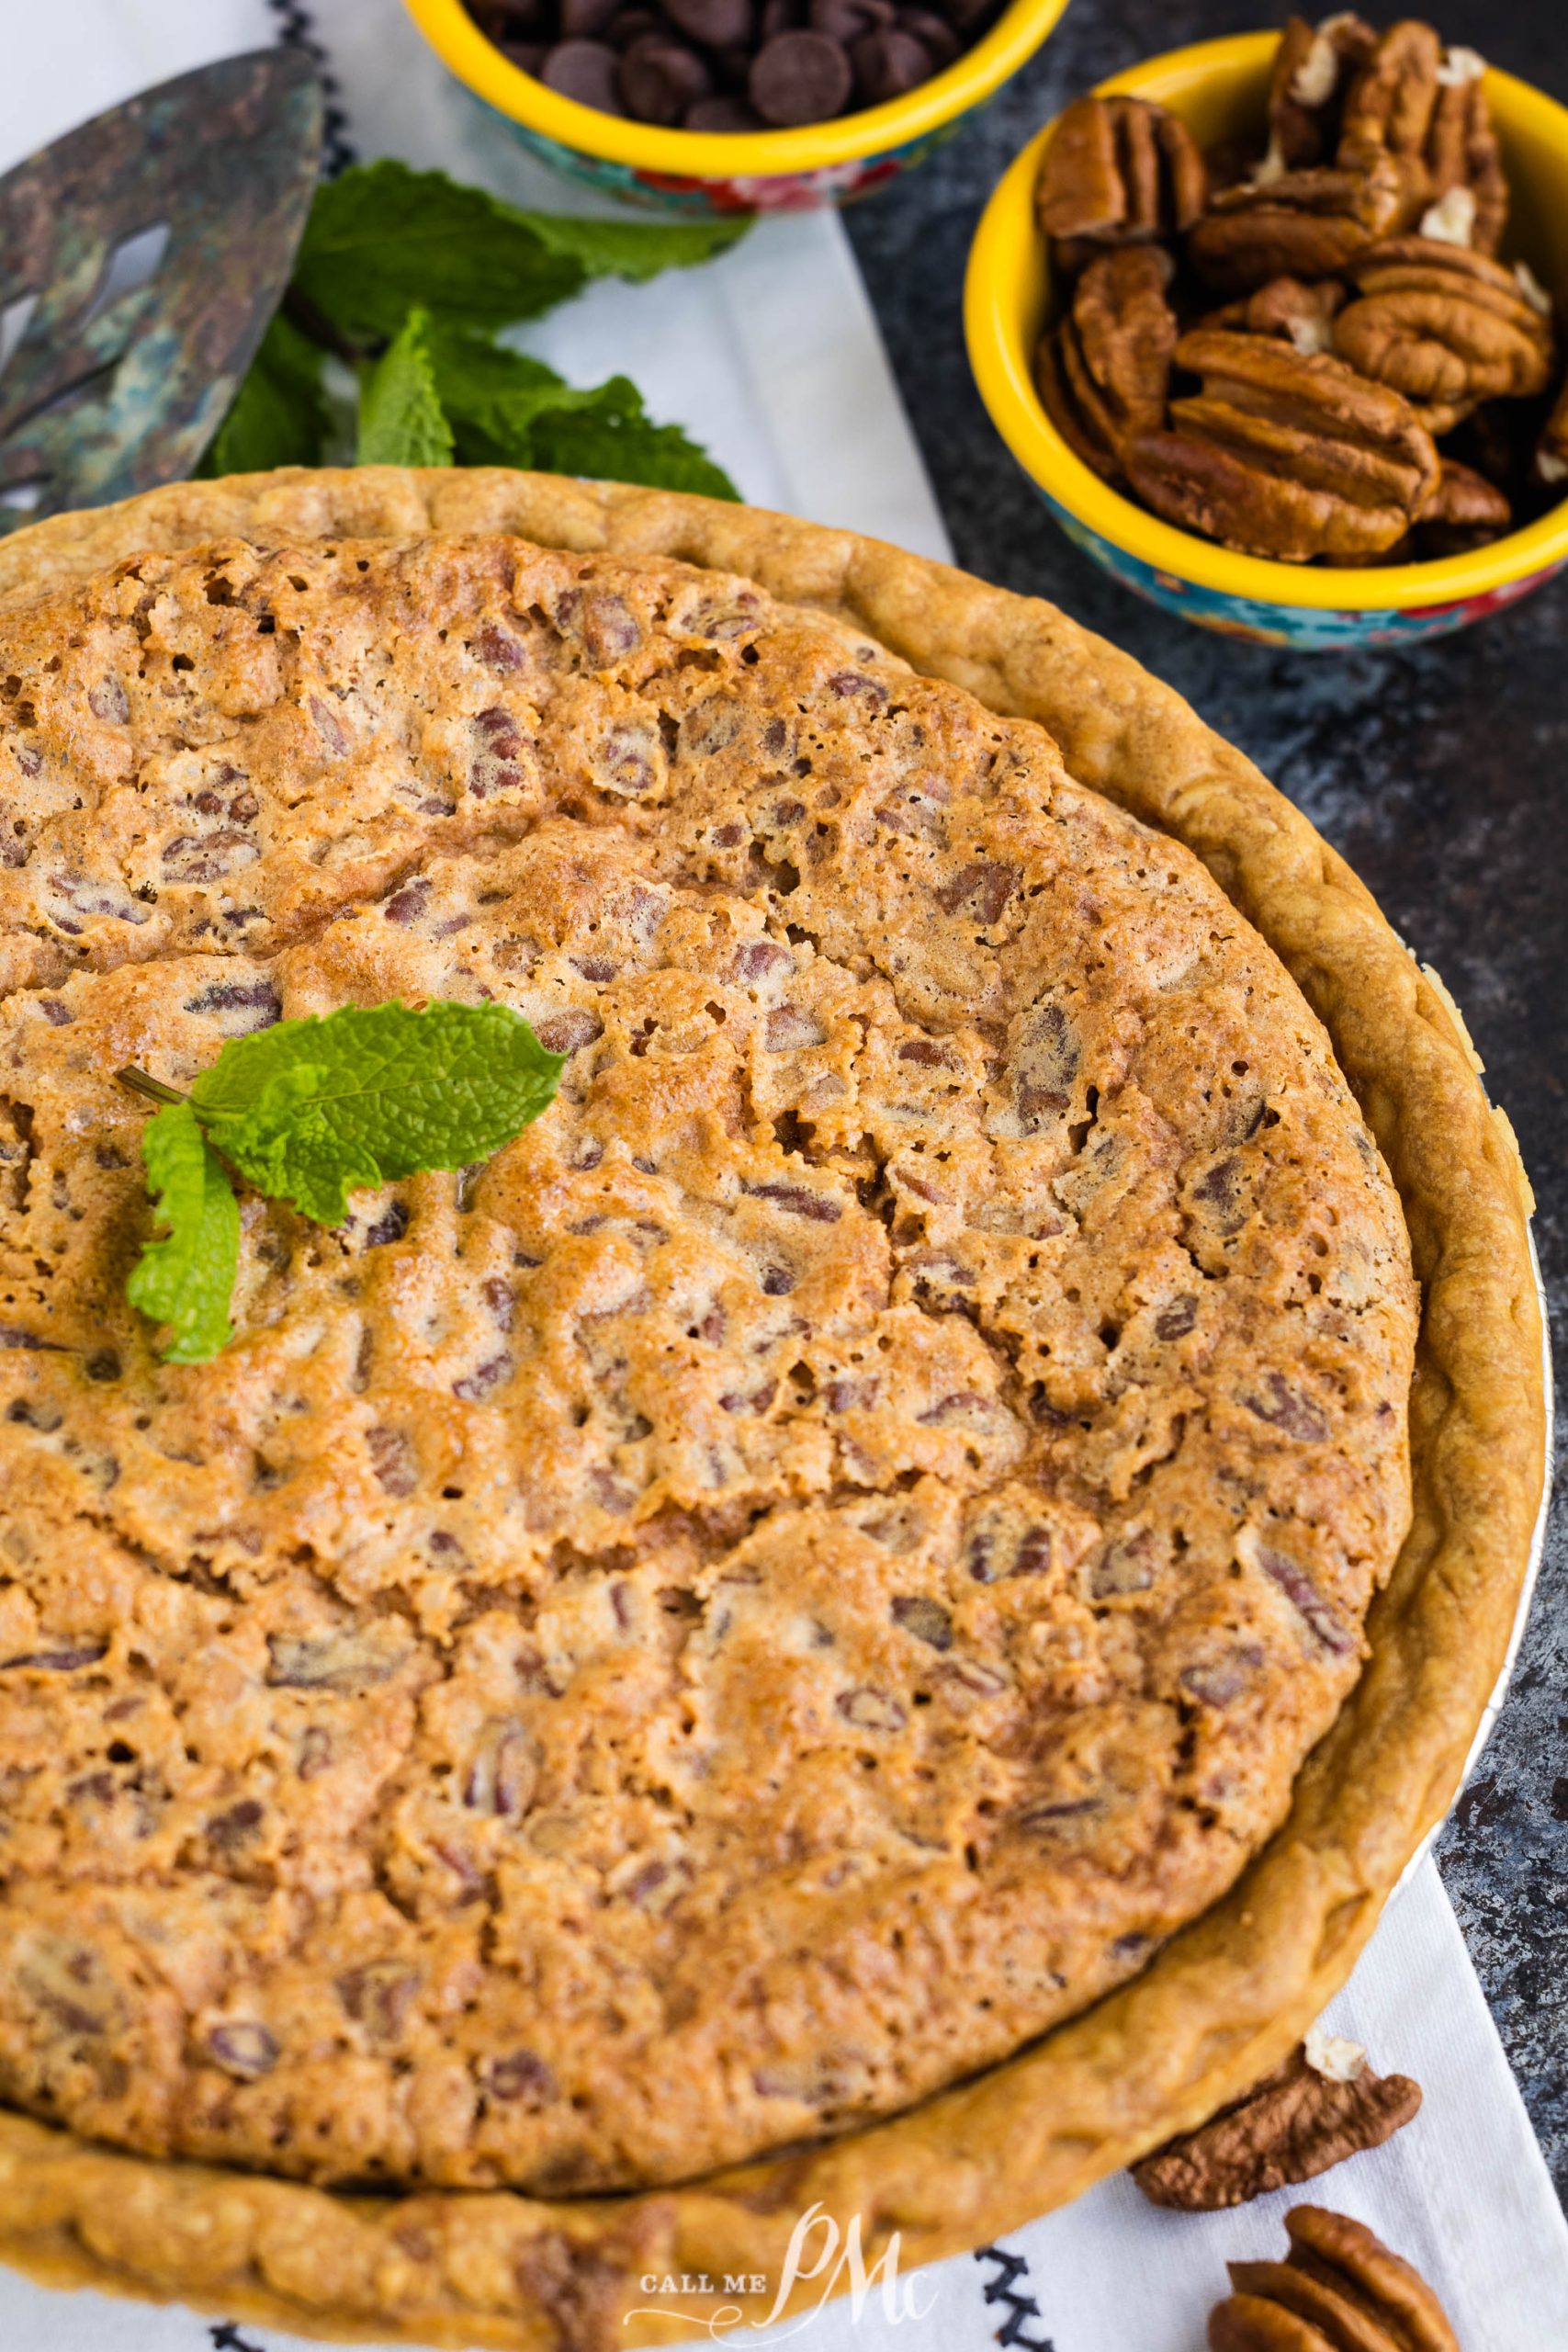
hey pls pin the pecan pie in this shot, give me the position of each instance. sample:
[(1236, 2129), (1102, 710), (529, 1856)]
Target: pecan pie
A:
[(818, 1561)]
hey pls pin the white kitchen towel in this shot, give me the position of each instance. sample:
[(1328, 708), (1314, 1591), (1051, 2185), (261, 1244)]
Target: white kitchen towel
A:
[(772, 356)]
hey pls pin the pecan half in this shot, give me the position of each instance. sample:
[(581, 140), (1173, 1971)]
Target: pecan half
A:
[(1103, 372), (1297, 224), (1465, 511), (1340, 2285), (1445, 326), (1117, 172), (1313, 69), (1284, 453), (1293, 2125), (1551, 450), (1425, 107), (1303, 314)]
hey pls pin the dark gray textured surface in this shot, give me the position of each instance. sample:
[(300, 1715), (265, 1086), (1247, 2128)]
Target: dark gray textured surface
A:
[(1442, 775)]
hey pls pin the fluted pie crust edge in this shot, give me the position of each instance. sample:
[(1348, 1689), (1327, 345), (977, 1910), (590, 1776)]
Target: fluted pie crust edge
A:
[(1225, 1998)]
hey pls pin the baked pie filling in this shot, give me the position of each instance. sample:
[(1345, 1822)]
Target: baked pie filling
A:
[(792, 1578)]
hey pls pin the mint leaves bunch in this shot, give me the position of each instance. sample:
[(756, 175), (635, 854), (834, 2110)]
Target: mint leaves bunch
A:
[(409, 277), (308, 1111)]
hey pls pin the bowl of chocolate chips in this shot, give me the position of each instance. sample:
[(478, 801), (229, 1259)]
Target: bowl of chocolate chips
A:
[(1277, 327), (720, 107)]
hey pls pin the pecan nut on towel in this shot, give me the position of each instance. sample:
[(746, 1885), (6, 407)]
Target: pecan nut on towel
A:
[(1339, 2289), (1445, 327), (1313, 70), (1283, 453), (1309, 223), (1295, 2123), (1425, 108), (1117, 172), (1103, 371)]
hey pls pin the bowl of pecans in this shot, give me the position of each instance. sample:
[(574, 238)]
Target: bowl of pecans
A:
[(724, 106), (1277, 327)]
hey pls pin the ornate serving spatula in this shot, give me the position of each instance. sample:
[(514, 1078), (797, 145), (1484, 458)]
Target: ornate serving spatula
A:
[(141, 258)]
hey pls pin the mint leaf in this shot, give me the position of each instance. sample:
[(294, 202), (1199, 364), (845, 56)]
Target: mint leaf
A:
[(187, 1279), (279, 415), (382, 237), (610, 437), (635, 250), (507, 409), (493, 394), (401, 422), (311, 1111)]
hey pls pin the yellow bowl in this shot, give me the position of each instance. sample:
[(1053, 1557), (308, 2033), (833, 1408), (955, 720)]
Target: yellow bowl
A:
[(711, 173), (1218, 89)]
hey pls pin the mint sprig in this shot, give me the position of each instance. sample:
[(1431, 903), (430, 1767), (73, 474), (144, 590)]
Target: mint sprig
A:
[(402, 421), (408, 275), (309, 1112), (187, 1279)]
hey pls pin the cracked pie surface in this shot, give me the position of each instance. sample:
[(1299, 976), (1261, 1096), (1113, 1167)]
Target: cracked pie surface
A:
[(800, 1573)]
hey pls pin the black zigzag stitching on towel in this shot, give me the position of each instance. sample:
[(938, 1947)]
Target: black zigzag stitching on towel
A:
[(1019, 2310), (297, 31)]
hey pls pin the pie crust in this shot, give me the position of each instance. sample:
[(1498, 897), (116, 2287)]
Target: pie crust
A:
[(1225, 1999)]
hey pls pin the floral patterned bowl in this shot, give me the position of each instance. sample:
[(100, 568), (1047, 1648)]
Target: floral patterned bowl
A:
[(1218, 88), (706, 173)]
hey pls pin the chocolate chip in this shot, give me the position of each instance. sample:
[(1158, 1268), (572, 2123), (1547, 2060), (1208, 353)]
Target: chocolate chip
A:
[(511, 19), (567, 1033), (392, 1460), (391, 1226), (227, 1830), (938, 40), (925, 1618), (796, 1201), (1125, 1566), (635, 24), (583, 69), (872, 1709), (848, 20), (982, 889), (887, 62), (1175, 1320), (244, 2049), (660, 78), (1288, 1410), (717, 24), (60, 1661), (328, 1662), (800, 77), (378, 1996), (586, 20), (724, 115), (520, 2075), (781, 17)]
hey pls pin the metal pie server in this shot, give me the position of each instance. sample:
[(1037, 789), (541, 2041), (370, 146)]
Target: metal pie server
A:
[(140, 259)]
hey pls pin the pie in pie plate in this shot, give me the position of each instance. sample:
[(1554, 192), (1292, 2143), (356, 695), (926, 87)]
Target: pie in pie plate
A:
[(866, 1614)]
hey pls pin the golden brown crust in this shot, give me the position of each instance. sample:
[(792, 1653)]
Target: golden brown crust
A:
[(1227, 1996)]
